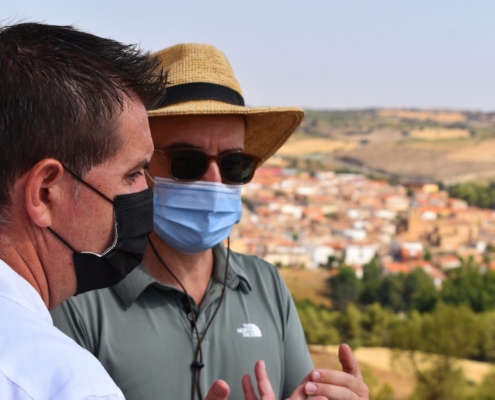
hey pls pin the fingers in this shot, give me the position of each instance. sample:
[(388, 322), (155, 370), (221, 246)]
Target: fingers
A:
[(300, 392), (220, 390), (248, 388), (323, 384), (349, 361), (264, 386), (336, 385)]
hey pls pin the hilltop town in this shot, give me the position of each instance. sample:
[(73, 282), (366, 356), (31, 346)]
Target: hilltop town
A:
[(325, 219)]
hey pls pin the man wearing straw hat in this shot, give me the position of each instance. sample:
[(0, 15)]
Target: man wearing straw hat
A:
[(194, 311)]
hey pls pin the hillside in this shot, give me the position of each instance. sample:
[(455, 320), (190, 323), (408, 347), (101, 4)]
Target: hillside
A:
[(424, 145)]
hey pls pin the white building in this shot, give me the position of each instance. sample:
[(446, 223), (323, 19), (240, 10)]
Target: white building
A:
[(321, 254), (359, 253)]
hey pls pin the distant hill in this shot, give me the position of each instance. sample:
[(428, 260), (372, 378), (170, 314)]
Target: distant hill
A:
[(426, 145)]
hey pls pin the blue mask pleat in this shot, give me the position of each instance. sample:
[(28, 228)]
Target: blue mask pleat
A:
[(194, 217)]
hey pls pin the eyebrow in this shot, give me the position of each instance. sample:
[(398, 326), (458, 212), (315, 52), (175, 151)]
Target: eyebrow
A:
[(181, 145), (185, 145), (144, 164)]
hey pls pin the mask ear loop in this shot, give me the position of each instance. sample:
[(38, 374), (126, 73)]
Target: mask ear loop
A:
[(61, 239), (149, 176), (92, 188), (87, 184), (198, 364), (102, 195)]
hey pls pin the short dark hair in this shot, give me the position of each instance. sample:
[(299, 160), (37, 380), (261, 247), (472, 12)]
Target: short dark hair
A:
[(60, 90)]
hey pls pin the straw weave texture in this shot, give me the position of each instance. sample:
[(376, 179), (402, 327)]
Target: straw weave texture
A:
[(267, 128), (193, 62)]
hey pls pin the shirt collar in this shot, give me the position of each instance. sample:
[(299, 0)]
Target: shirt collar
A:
[(138, 280), (235, 275), (15, 288), (133, 285)]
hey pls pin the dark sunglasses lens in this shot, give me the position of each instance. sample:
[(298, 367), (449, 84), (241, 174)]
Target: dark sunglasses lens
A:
[(237, 167), (188, 165)]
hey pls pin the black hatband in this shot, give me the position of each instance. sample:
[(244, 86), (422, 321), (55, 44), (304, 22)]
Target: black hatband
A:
[(200, 91)]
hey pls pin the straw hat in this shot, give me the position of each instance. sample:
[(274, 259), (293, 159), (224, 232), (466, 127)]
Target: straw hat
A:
[(203, 82)]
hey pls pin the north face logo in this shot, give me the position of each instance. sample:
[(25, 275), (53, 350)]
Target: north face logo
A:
[(249, 330)]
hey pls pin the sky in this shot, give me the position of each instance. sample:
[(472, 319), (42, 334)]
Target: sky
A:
[(325, 54)]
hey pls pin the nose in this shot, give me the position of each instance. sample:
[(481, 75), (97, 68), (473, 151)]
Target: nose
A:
[(213, 173)]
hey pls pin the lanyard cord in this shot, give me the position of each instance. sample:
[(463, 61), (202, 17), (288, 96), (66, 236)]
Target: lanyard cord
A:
[(198, 364)]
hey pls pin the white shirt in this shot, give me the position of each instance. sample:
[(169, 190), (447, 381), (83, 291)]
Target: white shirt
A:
[(37, 361)]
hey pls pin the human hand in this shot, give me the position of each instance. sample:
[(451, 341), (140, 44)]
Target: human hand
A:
[(265, 388), (220, 390), (347, 384)]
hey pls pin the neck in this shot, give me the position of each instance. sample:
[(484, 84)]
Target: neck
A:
[(41, 260), (194, 271), (28, 265)]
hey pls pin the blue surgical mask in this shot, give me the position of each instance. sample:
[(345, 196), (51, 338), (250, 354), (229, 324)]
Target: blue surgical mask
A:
[(195, 216)]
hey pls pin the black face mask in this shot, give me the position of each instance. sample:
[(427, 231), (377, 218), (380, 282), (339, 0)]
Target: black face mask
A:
[(133, 222)]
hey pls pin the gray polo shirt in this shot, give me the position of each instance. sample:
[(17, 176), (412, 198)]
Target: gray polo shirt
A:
[(142, 335)]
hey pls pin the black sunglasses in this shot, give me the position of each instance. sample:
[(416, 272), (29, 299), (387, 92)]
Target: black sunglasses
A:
[(236, 167)]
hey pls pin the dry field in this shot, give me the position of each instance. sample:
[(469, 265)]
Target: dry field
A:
[(311, 146), (375, 376), (443, 117), (439, 134), (476, 152), (452, 156), (376, 362), (435, 160), (308, 284)]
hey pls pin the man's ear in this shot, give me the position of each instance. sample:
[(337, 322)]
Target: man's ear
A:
[(42, 191)]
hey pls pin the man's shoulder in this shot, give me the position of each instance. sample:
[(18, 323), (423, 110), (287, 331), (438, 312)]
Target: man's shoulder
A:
[(261, 274), (93, 302), (255, 265), (44, 362)]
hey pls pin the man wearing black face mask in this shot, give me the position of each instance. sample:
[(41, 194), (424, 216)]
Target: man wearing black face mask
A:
[(133, 222), (74, 204)]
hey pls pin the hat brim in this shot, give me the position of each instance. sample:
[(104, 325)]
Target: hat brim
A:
[(267, 128)]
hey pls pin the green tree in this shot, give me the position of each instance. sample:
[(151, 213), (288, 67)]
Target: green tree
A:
[(464, 285), (431, 344), (371, 283), (377, 324), (451, 331), (391, 292), (487, 339), (488, 296), (349, 325), (444, 381), (480, 195), (419, 291), (372, 271), (319, 323), (344, 288), (427, 254), (469, 285)]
